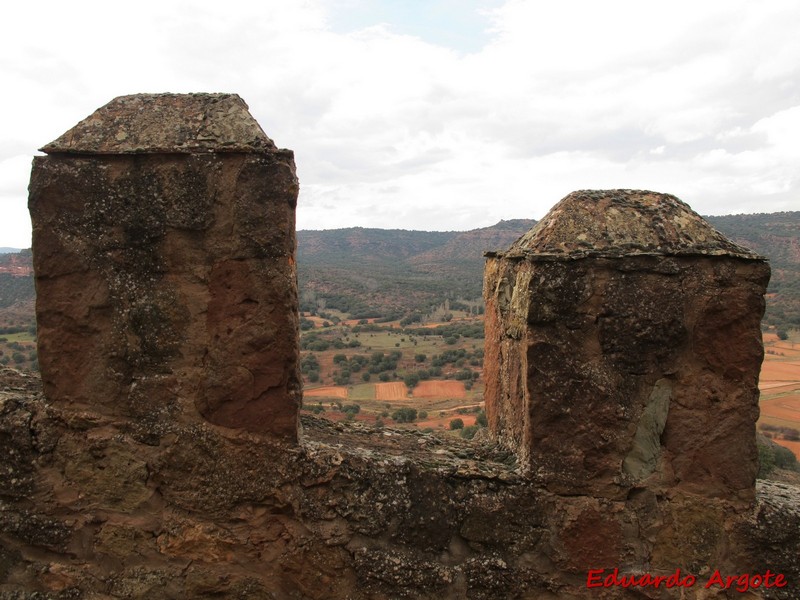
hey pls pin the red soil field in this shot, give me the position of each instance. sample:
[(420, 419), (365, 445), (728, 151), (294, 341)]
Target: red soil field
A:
[(784, 407), (393, 390), (328, 391), (778, 370), (444, 422), (793, 446), (440, 389)]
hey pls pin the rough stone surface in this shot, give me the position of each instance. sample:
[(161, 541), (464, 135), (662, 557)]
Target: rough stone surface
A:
[(166, 123), (623, 349), (616, 223), (352, 513), (166, 282), (144, 478)]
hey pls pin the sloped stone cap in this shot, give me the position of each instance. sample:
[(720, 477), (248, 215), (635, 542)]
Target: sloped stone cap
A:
[(166, 124), (616, 223)]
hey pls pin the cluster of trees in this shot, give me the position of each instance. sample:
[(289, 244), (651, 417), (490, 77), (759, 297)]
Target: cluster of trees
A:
[(777, 431), (772, 456), (458, 357), (309, 366), (319, 342), (469, 431), (453, 330), (383, 365)]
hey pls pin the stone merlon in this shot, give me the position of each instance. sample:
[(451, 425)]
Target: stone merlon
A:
[(166, 124), (613, 223)]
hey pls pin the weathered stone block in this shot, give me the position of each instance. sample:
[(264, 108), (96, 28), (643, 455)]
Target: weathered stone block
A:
[(163, 246), (623, 347)]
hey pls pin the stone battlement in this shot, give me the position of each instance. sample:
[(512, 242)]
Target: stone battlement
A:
[(163, 457)]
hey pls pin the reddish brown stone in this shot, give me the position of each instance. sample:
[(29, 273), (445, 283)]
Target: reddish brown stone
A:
[(165, 272), (623, 348)]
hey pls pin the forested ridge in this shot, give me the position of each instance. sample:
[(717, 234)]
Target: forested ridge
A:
[(387, 273)]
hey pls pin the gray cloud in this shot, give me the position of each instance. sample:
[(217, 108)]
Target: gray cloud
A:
[(391, 127)]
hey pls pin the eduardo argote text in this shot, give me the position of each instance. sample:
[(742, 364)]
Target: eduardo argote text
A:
[(603, 578)]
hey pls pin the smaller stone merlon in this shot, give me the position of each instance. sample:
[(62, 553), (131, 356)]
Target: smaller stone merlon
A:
[(166, 124), (623, 347), (623, 223)]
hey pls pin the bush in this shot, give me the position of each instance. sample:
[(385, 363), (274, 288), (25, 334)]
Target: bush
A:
[(342, 378), (469, 432), (420, 358), (423, 414), (785, 458), (464, 375), (405, 415), (411, 380), (456, 424), (481, 420), (766, 460)]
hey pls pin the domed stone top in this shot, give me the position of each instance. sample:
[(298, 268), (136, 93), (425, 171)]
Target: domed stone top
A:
[(615, 223), (166, 124)]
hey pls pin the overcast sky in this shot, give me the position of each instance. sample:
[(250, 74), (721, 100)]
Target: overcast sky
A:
[(438, 114)]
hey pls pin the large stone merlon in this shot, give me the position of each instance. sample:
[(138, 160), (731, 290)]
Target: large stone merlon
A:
[(163, 248), (623, 348)]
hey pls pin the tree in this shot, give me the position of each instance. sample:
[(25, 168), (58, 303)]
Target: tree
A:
[(783, 334), (469, 432), (766, 460), (420, 358), (481, 419), (405, 415), (411, 380), (456, 424)]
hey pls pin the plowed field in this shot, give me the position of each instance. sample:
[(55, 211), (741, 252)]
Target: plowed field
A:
[(440, 389), (328, 391), (783, 407), (393, 390), (780, 387)]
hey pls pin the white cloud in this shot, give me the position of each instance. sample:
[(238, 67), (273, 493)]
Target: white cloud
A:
[(392, 128)]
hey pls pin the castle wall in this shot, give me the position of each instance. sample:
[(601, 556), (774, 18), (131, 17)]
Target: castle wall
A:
[(163, 248)]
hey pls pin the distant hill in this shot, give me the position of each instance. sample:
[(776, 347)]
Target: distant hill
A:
[(392, 272), (372, 272), (776, 236), (383, 272)]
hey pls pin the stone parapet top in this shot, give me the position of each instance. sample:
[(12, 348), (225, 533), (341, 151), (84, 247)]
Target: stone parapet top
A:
[(619, 223), (166, 124)]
